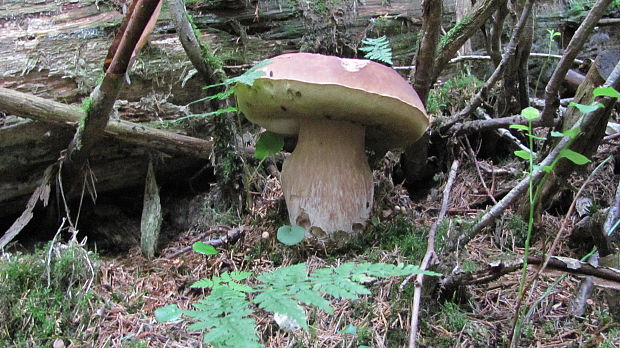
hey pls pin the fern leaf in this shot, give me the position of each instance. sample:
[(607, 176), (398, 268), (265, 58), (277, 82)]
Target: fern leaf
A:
[(281, 302), (377, 49), (225, 315)]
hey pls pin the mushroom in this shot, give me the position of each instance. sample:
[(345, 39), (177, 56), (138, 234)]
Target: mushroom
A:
[(336, 106)]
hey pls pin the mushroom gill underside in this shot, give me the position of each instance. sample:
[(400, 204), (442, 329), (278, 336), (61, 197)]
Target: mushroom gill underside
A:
[(327, 182)]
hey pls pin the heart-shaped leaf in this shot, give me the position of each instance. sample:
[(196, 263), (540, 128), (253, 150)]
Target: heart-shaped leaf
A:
[(203, 248), (291, 235), (530, 113)]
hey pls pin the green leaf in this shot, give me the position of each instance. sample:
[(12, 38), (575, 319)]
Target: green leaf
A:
[(519, 127), (537, 137), (557, 134), (574, 157), (246, 78), (280, 302), (203, 283), (314, 298), (530, 113), (606, 92), (268, 144), (572, 133), (377, 49), (350, 329), (586, 109), (209, 114), (204, 249), (168, 313), (547, 169), (290, 235), (523, 154)]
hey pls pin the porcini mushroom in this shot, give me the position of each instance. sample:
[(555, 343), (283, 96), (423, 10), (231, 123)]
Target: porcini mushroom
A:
[(336, 106)]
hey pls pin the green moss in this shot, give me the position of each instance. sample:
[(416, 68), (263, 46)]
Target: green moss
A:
[(42, 296), (454, 32)]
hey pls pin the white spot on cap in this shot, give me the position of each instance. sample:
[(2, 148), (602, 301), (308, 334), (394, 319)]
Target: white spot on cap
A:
[(353, 65)]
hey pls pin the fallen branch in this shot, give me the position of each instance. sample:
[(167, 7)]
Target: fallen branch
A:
[(511, 49), (552, 101), (49, 111), (231, 235), (498, 269), (429, 257)]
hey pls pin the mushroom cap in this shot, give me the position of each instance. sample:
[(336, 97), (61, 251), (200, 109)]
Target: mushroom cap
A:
[(307, 85)]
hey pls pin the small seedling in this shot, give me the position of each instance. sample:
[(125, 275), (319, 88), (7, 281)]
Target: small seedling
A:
[(290, 235)]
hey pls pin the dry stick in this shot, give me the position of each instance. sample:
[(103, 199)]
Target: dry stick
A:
[(504, 133), (532, 283), (472, 157), (465, 236), (612, 81), (552, 100), (477, 100), (230, 236), (452, 61), (429, 256), (496, 270)]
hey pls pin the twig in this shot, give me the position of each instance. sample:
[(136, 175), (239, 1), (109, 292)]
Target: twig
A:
[(571, 52), (578, 303), (498, 269), (472, 157), (504, 133), (429, 256), (454, 60), (231, 235), (475, 102), (452, 128)]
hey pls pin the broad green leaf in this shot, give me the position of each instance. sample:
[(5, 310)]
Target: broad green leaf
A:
[(268, 144), (586, 109), (168, 313), (290, 235), (523, 154), (574, 157), (519, 126), (547, 169), (557, 134), (350, 329), (204, 249), (573, 132), (606, 92), (537, 137), (530, 113)]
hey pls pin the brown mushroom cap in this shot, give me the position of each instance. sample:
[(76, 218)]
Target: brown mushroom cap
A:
[(306, 85)]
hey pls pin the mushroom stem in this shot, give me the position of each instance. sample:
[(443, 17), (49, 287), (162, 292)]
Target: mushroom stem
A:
[(327, 182)]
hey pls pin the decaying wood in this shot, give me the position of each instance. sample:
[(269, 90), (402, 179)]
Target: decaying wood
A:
[(59, 114), (507, 57), (552, 100), (496, 270), (150, 223)]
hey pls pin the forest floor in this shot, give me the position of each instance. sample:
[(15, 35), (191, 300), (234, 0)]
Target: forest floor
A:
[(130, 287)]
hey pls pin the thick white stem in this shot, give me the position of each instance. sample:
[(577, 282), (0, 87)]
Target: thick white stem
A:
[(327, 182)]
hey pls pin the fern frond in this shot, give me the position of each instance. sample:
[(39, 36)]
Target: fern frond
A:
[(377, 49)]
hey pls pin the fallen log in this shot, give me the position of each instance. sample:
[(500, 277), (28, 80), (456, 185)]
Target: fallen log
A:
[(36, 108)]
